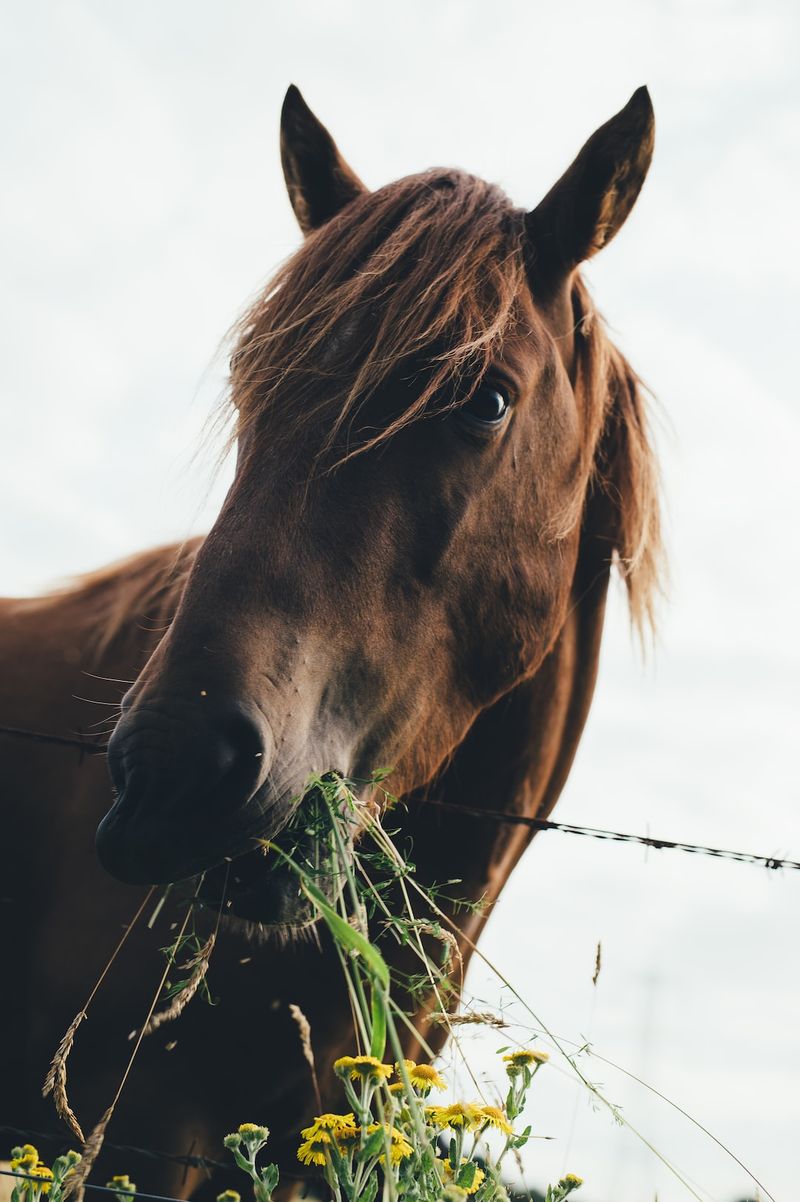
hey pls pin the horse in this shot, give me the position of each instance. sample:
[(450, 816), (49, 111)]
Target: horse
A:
[(441, 456)]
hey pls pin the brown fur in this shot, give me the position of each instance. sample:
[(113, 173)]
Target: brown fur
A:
[(474, 667)]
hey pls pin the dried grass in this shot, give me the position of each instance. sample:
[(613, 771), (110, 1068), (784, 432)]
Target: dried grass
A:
[(199, 966), (55, 1082), (304, 1029), (483, 1018), (75, 1184)]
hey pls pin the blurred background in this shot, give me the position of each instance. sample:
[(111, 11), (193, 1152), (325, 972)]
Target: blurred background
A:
[(143, 204)]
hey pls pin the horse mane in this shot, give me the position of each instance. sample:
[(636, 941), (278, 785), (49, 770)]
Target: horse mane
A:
[(625, 472), (143, 588)]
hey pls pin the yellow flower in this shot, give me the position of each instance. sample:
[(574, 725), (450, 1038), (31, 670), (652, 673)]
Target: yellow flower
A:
[(526, 1056), (123, 1184), (400, 1148), (398, 1087), (494, 1117), (41, 1170), (477, 1180), (362, 1068), (423, 1077), (253, 1132), (229, 1195), (336, 1124), (27, 1157), (314, 1150), (252, 1135), (460, 1114), (571, 1181)]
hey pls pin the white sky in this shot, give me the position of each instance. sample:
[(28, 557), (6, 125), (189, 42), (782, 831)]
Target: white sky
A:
[(143, 203)]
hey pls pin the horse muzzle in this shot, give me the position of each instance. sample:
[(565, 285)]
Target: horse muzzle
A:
[(193, 789)]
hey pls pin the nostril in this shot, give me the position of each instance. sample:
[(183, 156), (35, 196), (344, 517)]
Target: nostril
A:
[(178, 769), (163, 759), (245, 735), (243, 751)]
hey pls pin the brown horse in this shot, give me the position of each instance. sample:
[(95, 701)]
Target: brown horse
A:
[(439, 455)]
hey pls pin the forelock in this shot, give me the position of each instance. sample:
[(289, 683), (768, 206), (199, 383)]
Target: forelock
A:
[(431, 265)]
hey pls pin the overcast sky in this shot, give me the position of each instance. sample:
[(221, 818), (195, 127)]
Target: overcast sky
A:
[(142, 204)]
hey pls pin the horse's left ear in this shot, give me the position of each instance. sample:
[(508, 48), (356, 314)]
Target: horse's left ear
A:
[(319, 181), (589, 204)]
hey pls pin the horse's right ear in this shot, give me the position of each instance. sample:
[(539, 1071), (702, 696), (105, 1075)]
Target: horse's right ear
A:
[(319, 181), (589, 204)]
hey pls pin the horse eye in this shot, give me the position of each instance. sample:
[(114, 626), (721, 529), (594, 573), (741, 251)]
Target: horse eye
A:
[(487, 407)]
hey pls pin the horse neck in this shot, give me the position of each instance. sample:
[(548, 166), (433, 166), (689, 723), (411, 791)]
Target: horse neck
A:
[(516, 757)]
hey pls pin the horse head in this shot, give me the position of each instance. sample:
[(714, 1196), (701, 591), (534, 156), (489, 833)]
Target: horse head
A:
[(429, 418)]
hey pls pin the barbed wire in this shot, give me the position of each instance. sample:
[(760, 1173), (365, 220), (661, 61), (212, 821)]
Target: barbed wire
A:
[(100, 1189), (92, 746), (87, 746), (188, 1160), (595, 832)]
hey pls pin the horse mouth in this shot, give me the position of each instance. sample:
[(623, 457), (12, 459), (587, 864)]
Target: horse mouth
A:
[(262, 887), (256, 887)]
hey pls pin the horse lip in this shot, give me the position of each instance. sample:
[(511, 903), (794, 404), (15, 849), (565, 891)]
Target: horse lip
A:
[(251, 889), (151, 854)]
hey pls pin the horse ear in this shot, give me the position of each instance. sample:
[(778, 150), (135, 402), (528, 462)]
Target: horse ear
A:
[(319, 181), (589, 204)]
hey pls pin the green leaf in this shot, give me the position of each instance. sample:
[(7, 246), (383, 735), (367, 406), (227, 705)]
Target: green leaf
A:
[(270, 1175), (466, 1175), (243, 1164), (378, 1044), (352, 940), (373, 1147), (370, 1189), (519, 1141), (345, 935)]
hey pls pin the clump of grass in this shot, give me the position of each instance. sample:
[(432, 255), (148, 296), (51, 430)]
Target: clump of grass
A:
[(390, 1137)]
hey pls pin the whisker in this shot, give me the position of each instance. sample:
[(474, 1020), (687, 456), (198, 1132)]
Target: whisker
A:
[(110, 679), (108, 722)]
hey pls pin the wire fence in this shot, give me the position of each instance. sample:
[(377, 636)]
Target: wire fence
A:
[(98, 1189), (188, 1160), (61, 1140), (595, 832), (87, 746)]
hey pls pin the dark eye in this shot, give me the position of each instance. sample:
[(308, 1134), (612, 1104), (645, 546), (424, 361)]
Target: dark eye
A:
[(486, 409)]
